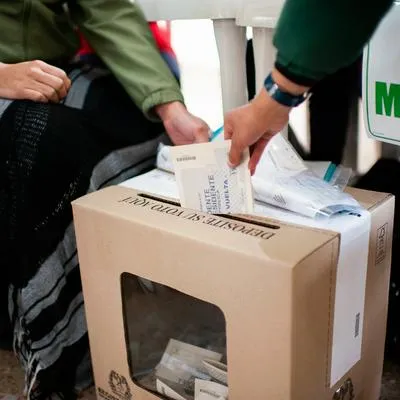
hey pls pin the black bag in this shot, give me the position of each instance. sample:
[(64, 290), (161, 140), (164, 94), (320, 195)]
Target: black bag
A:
[(384, 176), (5, 325)]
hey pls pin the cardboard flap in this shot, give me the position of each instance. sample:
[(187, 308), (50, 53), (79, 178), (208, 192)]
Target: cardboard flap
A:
[(263, 238), (368, 199)]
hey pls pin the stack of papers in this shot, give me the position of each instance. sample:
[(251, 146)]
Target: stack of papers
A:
[(203, 181), (186, 372)]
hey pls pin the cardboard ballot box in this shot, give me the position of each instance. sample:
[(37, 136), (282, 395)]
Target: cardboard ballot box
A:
[(183, 305)]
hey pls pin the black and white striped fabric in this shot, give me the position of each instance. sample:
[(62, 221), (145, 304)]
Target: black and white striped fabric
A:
[(50, 155)]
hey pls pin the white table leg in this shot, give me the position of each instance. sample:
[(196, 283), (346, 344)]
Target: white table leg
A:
[(231, 45), (264, 57), (264, 54), (350, 154)]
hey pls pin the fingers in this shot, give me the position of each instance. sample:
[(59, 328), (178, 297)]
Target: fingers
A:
[(54, 82), (256, 154), (47, 76), (49, 92), (57, 72), (235, 152), (33, 95), (228, 131), (236, 129)]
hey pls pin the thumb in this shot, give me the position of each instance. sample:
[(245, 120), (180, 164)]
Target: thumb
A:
[(235, 152)]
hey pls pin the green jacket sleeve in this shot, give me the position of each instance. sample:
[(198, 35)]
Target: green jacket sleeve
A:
[(315, 38), (120, 35)]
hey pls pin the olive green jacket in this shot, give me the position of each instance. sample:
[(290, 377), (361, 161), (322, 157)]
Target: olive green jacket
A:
[(116, 29)]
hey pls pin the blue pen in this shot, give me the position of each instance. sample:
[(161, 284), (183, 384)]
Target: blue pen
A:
[(329, 172), (215, 134)]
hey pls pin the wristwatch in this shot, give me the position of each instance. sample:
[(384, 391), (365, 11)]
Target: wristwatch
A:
[(282, 97)]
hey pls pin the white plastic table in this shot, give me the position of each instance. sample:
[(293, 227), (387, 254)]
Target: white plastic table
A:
[(262, 16), (230, 39), (230, 19)]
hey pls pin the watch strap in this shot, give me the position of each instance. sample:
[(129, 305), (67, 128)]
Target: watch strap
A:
[(282, 97)]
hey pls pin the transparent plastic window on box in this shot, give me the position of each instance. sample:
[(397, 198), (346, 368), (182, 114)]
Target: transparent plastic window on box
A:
[(176, 344)]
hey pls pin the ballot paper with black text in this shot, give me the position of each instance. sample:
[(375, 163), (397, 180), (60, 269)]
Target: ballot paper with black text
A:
[(207, 183)]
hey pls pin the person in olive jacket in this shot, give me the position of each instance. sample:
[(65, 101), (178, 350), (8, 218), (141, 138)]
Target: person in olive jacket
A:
[(45, 30), (67, 128)]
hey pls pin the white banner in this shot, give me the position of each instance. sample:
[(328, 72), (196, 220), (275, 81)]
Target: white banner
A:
[(381, 80)]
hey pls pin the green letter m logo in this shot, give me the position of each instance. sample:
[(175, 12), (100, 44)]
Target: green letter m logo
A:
[(387, 99)]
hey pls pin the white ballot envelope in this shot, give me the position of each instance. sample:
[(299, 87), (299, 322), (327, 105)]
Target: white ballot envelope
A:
[(207, 183)]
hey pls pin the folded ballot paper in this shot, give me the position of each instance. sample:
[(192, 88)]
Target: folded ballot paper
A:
[(205, 181), (282, 180)]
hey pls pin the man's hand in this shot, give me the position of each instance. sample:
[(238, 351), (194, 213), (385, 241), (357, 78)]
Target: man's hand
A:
[(33, 80), (181, 126), (254, 124)]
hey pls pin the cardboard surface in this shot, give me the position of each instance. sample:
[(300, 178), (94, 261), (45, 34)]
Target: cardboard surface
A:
[(274, 282)]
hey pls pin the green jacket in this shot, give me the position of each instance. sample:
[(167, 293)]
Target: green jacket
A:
[(315, 38), (116, 29)]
